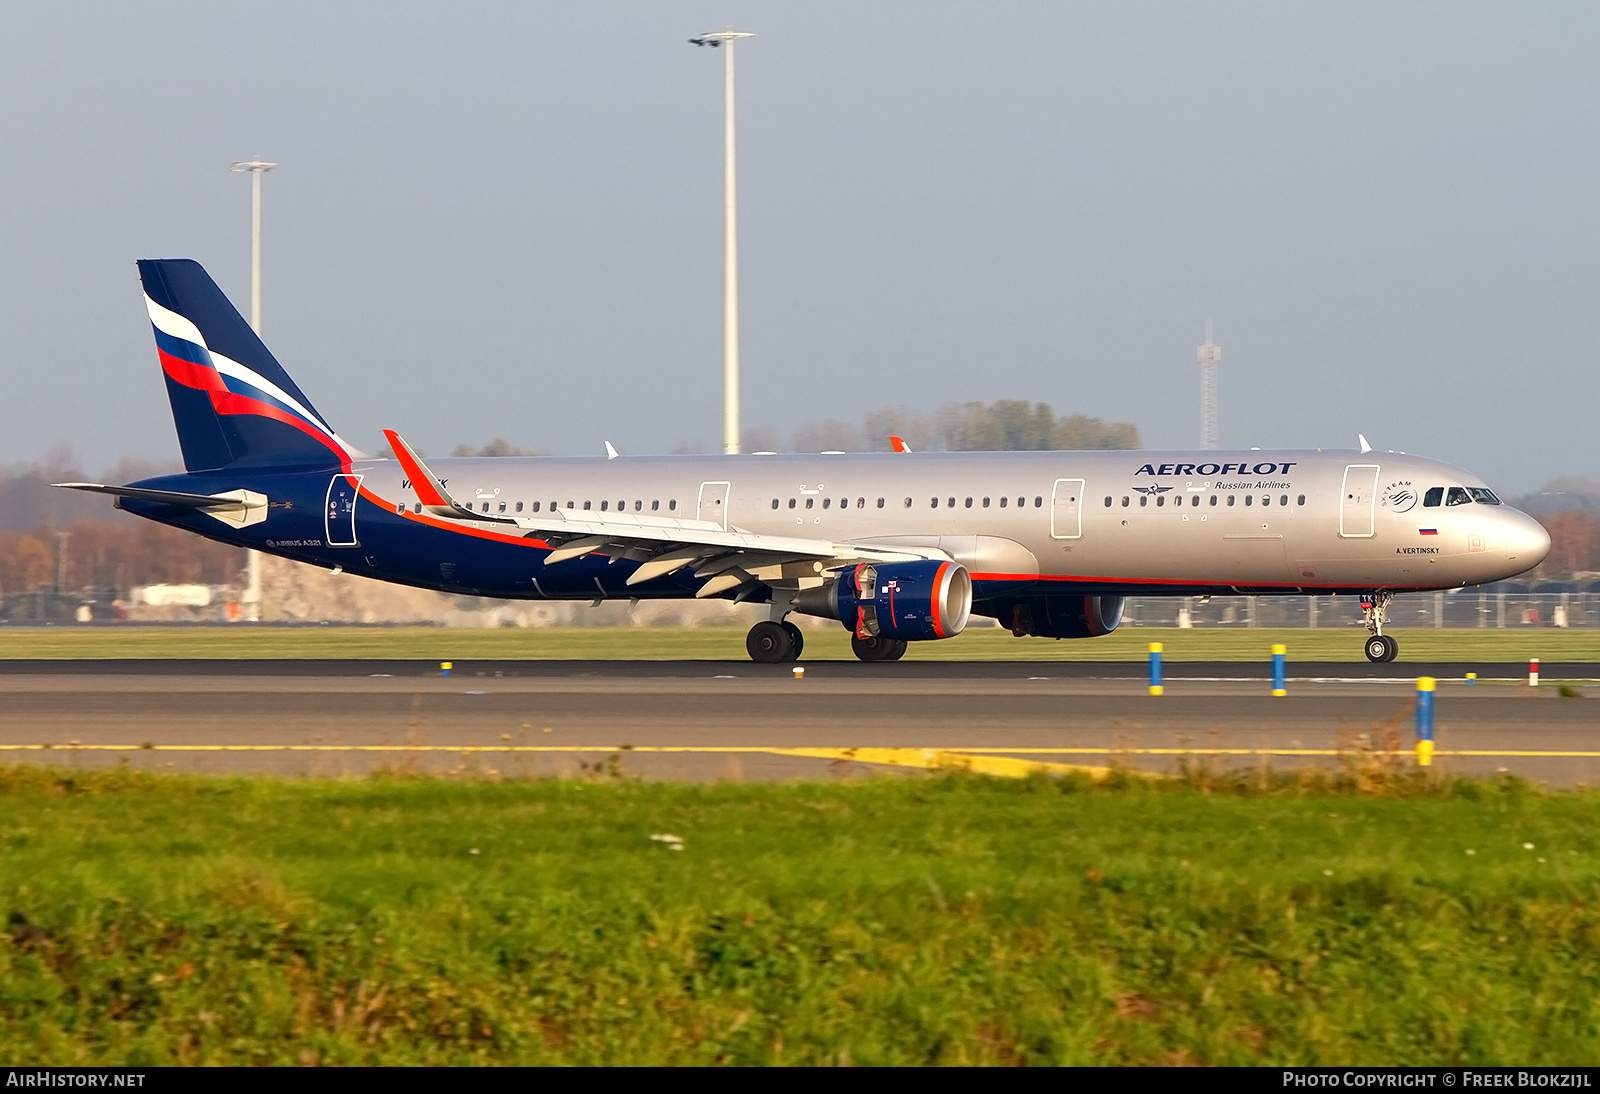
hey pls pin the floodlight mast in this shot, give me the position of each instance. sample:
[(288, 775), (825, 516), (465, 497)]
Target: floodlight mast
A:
[(1209, 354), (730, 255), (256, 167)]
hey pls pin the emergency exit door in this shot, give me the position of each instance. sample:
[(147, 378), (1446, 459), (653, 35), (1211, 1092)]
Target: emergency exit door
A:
[(1066, 509)]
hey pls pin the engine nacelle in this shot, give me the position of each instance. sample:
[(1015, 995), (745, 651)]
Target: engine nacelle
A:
[(908, 601), (1060, 616)]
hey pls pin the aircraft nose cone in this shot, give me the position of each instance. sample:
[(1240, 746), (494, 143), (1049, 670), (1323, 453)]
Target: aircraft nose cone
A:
[(1527, 542)]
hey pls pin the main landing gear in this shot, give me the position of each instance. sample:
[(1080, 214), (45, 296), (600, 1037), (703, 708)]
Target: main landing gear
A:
[(772, 643), (1380, 648), (877, 648)]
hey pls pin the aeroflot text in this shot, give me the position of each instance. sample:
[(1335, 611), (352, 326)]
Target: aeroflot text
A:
[(1215, 469), (1468, 1078)]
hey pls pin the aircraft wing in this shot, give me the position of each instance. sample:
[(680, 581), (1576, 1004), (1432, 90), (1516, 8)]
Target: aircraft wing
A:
[(727, 557)]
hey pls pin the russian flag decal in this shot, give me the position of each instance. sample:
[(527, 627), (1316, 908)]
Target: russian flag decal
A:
[(1427, 531)]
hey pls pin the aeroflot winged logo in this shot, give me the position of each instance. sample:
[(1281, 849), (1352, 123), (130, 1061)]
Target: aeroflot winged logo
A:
[(1263, 468), (1152, 490)]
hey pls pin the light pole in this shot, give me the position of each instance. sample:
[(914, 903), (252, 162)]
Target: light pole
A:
[(730, 255), (257, 167)]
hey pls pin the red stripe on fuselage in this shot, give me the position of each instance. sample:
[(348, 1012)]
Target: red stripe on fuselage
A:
[(451, 525)]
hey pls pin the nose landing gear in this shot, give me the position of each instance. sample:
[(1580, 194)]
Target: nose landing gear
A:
[(1380, 647)]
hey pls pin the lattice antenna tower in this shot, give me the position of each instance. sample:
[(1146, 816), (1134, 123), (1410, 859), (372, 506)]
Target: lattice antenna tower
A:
[(1210, 353)]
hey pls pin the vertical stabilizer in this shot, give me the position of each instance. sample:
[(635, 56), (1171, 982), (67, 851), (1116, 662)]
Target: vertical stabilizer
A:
[(232, 402)]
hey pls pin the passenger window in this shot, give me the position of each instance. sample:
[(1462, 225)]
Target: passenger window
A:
[(1038, 503), (486, 507), (810, 502), (880, 503), (1483, 494), (418, 509), (570, 504), (1283, 499), (1194, 499), (638, 506), (951, 503), (969, 503), (861, 503), (1108, 501), (908, 503), (1161, 499), (401, 508), (536, 507), (1124, 501), (655, 506), (587, 506), (1021, 502), (791, 503), (1144, 499), (603, 505), (672, 505), (1213, 500), (622, 507), (986, 503), (826, 502), (1003, 502), (1433, 497), (519, 507), (774, 503), (1231, 499), (1458, 496), (1302, 500), (502, 507), (934, 504), (1249, 499)]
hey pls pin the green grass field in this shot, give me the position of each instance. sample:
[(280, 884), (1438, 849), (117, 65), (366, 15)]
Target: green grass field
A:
[(168, 919), (727, 643)]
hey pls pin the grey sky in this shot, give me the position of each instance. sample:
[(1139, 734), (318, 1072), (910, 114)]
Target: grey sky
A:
[(505, 220)]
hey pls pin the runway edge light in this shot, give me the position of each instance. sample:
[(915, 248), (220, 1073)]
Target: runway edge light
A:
[(1279, 656), (1155, 668)]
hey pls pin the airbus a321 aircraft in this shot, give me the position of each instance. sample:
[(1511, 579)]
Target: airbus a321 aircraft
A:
[(898, 547)]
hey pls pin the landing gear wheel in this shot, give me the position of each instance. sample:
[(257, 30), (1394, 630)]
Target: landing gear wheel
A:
[(878, 649), (798, 639), (769, 644), (1381, 648)]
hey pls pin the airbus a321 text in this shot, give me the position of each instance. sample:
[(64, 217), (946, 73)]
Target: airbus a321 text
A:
[(898, 547)]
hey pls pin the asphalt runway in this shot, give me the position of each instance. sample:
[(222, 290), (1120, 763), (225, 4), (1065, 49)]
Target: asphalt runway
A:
[(564, 718)]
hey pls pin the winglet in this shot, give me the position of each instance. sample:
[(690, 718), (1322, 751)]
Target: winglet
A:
[(1365, 447), (430, 491), (611, 451), (899, 444)]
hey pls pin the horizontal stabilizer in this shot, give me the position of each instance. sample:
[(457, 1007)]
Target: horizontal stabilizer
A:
[(239, 508)]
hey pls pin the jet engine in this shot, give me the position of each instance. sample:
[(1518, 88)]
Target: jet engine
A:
[(902, 601), (1059, 616)]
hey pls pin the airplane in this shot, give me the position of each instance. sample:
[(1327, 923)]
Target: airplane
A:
[(898, 547)]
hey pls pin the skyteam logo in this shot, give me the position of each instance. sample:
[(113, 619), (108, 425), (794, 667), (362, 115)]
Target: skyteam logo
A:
[(1399, 496)]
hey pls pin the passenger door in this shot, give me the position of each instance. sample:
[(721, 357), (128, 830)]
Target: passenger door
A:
[(1357, 501), (339, 515)]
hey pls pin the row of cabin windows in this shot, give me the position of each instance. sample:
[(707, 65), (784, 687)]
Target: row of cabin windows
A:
[(1194, 500), (861, 503), (605, 506)]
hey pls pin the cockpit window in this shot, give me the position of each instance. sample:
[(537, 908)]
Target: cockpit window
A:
[(1458, 496), (1433, 497), (1483, 494)]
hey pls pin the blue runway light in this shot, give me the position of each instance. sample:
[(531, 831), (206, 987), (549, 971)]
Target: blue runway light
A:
[(1155, 668)]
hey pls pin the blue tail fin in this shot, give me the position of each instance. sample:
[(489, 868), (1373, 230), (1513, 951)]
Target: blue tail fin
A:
[(231, 400)]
